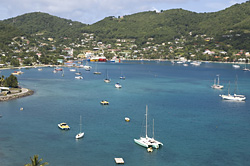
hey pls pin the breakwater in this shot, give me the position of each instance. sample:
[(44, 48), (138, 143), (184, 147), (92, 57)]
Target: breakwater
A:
[(23, 93)]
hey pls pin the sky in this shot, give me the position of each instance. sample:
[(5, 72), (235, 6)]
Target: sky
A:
[(91, 11)]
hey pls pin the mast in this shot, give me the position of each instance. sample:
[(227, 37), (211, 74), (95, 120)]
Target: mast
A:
[(146, 121), (218, 80), (236, 85), (80, 123), (153, 128), (106, 73)]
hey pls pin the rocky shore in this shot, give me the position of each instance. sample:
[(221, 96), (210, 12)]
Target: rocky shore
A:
[(23, 93)]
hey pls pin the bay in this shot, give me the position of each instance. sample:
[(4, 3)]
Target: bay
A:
[(194, 124)]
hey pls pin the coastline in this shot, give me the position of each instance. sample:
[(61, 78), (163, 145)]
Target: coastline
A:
[(25, 92), (163, 60)]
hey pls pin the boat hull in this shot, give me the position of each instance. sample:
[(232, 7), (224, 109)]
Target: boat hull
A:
[(139, 142), (79, 135), (148, 142), (233, 97)]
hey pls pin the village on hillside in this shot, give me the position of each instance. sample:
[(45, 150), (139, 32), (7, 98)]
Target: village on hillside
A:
[(40, 50)]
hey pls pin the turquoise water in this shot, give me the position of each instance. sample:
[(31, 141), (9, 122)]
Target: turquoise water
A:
[(194, 124)]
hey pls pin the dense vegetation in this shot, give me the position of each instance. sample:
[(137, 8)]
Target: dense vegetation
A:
[(49, 26), (10, 81), (171, 24)]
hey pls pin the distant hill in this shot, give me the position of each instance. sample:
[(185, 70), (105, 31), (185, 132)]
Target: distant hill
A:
[(233, 22), (50, 26), (170, 24)]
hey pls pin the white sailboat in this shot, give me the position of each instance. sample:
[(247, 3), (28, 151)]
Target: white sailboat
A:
[(245, 68), (233, 97), (96, 72), (122, 76), (107, 80), (80, 134), (217, 85), (146, 141)]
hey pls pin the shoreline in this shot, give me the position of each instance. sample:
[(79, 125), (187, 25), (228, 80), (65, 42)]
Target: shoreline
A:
[(163, 60), (25, 92)]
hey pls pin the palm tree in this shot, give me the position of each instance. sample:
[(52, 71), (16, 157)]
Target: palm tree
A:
[(36, 162)]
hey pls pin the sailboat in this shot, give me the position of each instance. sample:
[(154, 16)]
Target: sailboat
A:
[(233, 97), (97, 72), (80, 134), (107, 80), (217, 85), (122, 76), (78, 73), (246, 69), (146, 141)]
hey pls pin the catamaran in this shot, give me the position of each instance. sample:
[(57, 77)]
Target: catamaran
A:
[(217, 85), (146, 141)]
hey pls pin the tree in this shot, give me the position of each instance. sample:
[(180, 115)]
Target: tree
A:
[(2, 80), (36, 162), (11, 81), (14, 62)]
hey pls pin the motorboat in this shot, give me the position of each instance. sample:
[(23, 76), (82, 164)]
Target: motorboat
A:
[(118, 85), (78, 77), (104, 102), (127, 119), (63, 126), (123, 77), (17, 72)]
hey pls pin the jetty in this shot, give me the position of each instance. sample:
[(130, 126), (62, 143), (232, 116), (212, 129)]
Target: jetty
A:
[(23, 92)]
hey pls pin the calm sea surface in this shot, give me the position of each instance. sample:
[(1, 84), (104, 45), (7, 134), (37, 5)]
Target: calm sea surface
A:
[(194, 124)]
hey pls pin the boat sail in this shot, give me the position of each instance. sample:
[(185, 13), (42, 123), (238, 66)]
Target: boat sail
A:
[(233, 97), (217, 85), (146, 141), (80, 134)]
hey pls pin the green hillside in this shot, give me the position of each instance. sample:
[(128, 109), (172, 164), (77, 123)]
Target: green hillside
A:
[(43, 23), (170, 24), (7, 32)]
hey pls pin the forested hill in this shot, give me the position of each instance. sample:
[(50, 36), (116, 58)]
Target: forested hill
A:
[(169, 24), (48, 25), (7, 32), (162, 26)]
